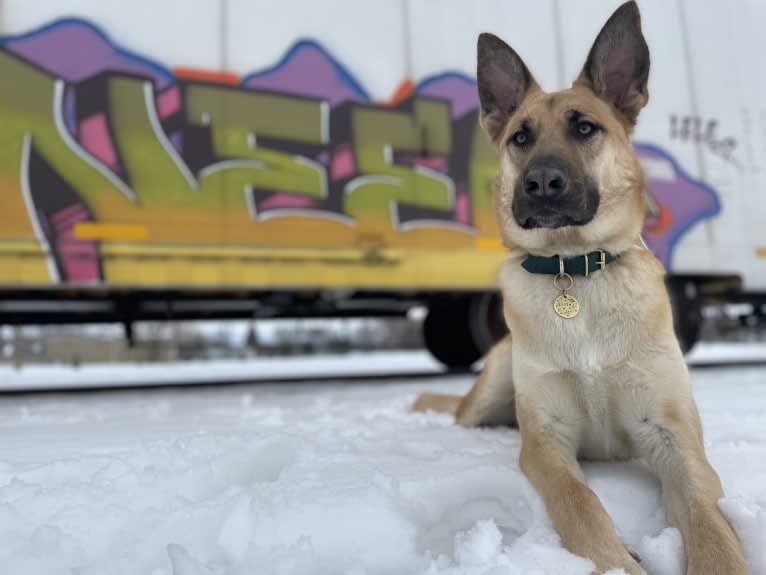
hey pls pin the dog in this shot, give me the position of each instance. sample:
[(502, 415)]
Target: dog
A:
[(592, 368)]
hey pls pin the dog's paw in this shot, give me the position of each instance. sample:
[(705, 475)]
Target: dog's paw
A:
[(633, 553), (634, 569), (631, 568), (625, 558)]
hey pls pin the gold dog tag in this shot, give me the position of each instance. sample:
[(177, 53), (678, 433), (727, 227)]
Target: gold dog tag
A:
[(565, 305)]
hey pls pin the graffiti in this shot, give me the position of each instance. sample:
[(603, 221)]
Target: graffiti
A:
[(676, 201), (111, 149), (699, 130)]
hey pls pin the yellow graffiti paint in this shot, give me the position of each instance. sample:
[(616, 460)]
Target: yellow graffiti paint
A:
[(489, 243), (23, 262), (97, 231), (316, 195), (344, 268)]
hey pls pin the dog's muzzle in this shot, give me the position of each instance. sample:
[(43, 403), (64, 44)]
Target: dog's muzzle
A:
[(546, 197)]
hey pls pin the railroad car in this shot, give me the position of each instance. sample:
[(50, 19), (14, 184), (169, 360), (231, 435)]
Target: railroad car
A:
[(190, 159)]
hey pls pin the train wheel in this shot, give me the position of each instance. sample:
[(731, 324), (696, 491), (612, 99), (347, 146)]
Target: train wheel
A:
[(458, 331), (687, 313)]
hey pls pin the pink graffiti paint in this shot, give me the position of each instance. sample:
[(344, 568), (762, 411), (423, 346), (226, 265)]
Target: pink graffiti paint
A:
[(285, 200), (436, 163), (169, 102), (79, 258), (462, 207), (94, 136), (80, 261), (342, 163), (67, 217)]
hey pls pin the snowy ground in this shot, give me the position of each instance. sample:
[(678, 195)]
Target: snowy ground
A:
[(326, 479), (52, 376), (65, 377)]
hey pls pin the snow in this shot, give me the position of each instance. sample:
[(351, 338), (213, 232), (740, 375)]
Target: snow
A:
[(98, 375), (708, 353), (663, 554), (327, 478)]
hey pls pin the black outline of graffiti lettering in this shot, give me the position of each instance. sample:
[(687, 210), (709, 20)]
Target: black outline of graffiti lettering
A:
[(691, 128)]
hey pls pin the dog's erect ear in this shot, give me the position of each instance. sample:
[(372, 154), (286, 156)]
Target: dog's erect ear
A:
[(617, 68), (503, 81)]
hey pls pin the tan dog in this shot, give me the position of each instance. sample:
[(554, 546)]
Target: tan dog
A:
[(594, 370)]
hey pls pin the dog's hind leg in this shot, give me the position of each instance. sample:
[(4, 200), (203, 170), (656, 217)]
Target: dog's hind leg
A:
[(441, 402), (491, 399)]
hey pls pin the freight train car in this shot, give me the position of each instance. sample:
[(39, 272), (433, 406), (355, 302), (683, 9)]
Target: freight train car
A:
[(243, 158)]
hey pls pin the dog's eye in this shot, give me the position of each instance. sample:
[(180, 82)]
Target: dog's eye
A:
[(520, 138), (585, 128)]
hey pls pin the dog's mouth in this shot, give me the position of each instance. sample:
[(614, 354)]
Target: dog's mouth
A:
[(546, 219), (576, 208), (550, 218)]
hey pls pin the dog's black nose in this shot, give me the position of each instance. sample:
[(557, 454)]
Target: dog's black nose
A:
[(545, 182)]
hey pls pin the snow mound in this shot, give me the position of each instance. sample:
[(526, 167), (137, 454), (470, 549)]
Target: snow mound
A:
[(663, 554), (480, 545)]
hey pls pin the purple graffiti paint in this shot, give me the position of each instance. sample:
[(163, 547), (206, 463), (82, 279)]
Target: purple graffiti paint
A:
[(459, 90), (74, 50), (682, 200), (307, 70)]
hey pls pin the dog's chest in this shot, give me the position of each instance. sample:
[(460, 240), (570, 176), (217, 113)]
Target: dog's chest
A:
[(589, 349), (599, 407), (603, 332)]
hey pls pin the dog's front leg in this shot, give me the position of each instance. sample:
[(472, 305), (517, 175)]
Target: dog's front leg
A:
[(548, 458), (670, 438)]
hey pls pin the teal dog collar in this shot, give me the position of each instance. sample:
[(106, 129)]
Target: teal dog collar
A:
[(576, 265)]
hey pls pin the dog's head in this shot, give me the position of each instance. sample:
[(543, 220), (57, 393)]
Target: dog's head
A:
[(569, 181)]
